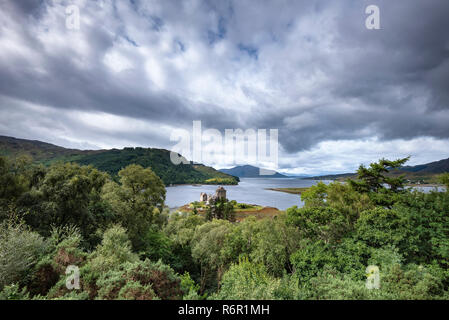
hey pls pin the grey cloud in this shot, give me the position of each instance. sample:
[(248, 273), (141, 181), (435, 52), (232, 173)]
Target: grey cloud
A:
[(314, 71)]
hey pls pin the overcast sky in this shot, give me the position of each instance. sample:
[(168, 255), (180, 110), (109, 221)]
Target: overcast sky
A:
[(338, 93)]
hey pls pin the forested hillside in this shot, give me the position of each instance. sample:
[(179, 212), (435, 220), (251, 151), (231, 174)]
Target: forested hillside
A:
[(112, 161)]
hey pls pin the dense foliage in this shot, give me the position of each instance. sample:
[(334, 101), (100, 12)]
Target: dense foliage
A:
[(126, 245)]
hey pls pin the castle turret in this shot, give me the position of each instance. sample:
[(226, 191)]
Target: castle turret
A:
[(203, 197), (220, 193)]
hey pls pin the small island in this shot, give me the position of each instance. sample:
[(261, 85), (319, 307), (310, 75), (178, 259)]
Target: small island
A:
[(240, 211)]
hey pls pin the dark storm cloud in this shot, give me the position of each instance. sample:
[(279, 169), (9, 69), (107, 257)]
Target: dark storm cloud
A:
[(396, 79), (309, 68)]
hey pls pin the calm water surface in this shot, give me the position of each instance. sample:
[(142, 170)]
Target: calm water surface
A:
[(252, 191), (249, 190)]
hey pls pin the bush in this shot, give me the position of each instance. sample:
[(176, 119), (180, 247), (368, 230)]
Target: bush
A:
[(310, 259), (13, 292), (247, 281), (329, 284), (140, 280), (115, 249), (65, 245), (20, 249), (190, 288)]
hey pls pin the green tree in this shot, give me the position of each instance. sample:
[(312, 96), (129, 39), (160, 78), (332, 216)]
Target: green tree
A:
[(68, 195), (425, 226), (375, 181), (16, 176), (180, 230), (207, 245), (137, 201), (220, 209), (444, 179), (158, 246), (319, 223), (315, 195), (380, 227), (274, 243)]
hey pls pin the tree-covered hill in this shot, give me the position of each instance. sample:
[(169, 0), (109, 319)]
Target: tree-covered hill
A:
[(432, 167), (112, 161)]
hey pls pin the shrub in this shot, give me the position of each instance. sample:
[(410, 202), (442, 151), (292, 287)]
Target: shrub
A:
[(20, 249), (139, 280), (115, 249), (247, 281), (310, 259), (190, 288), (13, 292)]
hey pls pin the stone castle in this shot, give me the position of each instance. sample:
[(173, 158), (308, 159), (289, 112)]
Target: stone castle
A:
[(220, 193)]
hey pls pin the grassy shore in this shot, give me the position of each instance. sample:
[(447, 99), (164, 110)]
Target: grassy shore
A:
[(289, 190), (242, 210)]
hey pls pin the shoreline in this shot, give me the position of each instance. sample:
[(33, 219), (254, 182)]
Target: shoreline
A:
[(430, 185), (297, 191), (199, 184)]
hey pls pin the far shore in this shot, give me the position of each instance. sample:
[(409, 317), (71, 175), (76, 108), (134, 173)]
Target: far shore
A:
[(289, 190), (198, 185)]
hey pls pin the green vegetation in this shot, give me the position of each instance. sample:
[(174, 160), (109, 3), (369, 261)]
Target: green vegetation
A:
[(245, 207), (444, 179), (236, 206), (112, 161), (222, 181), (127, 246)]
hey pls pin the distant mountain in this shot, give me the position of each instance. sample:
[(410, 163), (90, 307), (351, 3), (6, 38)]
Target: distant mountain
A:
[(112, 161), (248, 171), (432, 167)]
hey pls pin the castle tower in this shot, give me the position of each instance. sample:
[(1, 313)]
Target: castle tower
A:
[(203, 197), (220, 193)]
